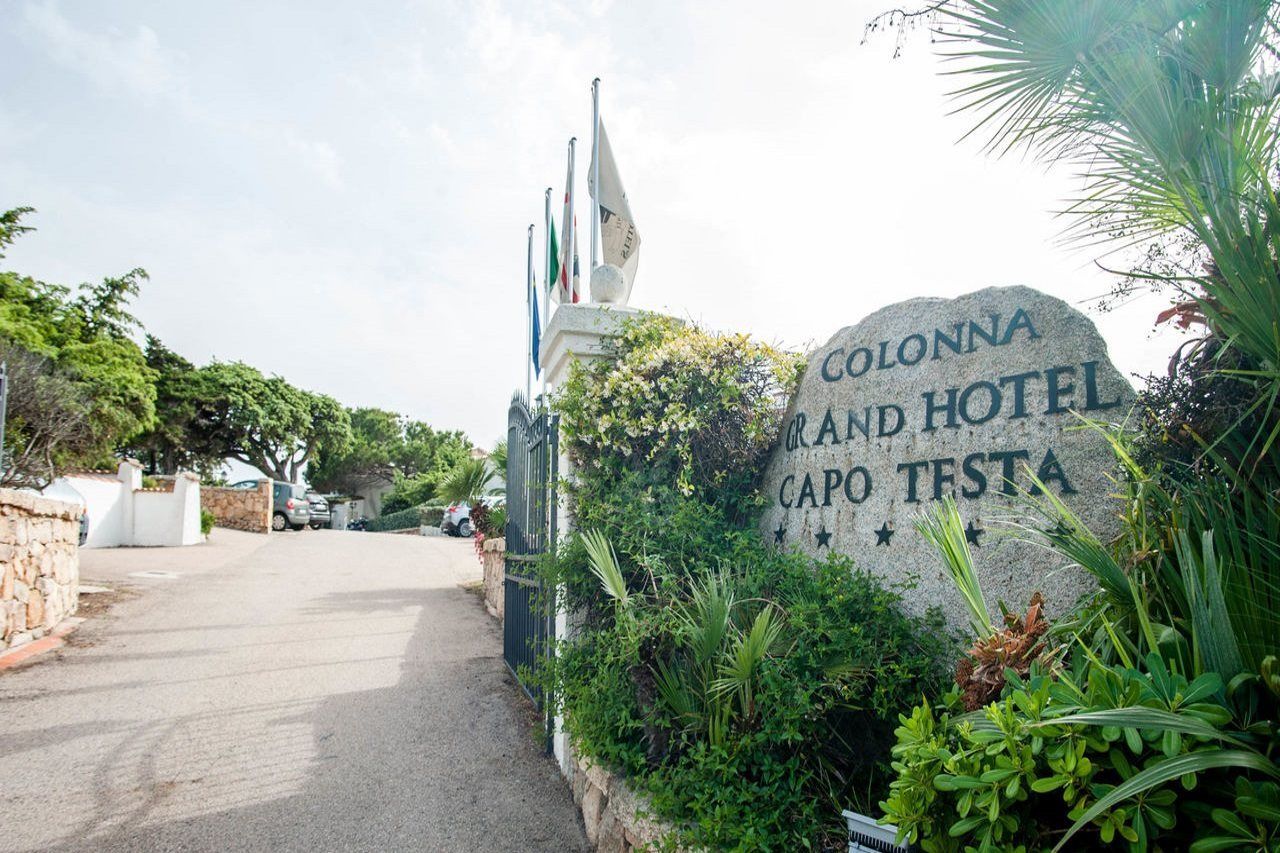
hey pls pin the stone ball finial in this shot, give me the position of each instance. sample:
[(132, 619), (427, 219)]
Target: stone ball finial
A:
[(608, 285)]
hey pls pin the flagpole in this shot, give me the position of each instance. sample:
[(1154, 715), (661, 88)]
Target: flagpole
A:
[(528, 325), (571, 228), (595, 168), (546, 255), (546, 272)]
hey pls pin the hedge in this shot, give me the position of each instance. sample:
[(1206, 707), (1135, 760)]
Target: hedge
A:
[(414, 516)]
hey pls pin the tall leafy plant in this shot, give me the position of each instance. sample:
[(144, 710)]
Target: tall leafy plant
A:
[(466, 482), (1168, 108)]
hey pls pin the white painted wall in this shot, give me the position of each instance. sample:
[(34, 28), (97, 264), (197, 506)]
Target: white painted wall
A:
[(121, 514), (104, 501), (168, 518)]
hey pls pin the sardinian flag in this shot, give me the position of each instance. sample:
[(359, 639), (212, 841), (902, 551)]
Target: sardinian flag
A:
[(619, 239)]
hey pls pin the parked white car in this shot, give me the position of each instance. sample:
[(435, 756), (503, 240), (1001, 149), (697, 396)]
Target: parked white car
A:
[(456, 520)]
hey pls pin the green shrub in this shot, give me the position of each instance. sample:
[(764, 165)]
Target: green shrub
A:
[(669, 440), (405, 518), (409, 492), (1115, 754), (207, 521), (753, 703)]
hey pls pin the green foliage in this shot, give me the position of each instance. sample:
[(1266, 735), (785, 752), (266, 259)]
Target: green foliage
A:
[(466, 482), (264, 421), (207, 521), (414, 516), (46, 420), (1168, 688), (412, 491), (495, 521), (498, 458), (679, 409), (1159, 732), (175, 441), (944, 530), (388, 448), (750, 692), (751, 704), (81, 341), (1110, 753), (671, 437)]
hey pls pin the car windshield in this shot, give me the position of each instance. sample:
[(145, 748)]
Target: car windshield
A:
[(300, 492)]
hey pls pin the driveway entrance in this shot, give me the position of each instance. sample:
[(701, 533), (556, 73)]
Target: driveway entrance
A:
[(319, 690)]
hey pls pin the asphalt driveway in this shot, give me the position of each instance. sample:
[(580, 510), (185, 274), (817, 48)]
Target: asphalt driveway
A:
[(319, 690)]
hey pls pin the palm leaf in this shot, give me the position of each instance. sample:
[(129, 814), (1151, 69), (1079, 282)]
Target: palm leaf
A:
[(944, 530), (603, 562)]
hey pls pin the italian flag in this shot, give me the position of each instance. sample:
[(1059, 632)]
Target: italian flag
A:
[(553, 271)]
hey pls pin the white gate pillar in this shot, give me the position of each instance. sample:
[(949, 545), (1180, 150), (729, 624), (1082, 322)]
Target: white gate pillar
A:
[(574, 333)]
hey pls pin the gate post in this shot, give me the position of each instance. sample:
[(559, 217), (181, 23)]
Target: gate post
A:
[(574, 333)]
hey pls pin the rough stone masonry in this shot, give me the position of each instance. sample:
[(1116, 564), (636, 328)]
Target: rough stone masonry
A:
[(965, 397), (39, 565)]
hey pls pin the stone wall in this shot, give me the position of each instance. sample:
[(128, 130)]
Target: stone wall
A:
[(240, 509), (493, 557), (39, 565), (614, 815)]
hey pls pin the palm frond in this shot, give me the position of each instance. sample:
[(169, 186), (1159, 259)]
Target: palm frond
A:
[(944, 530), (603, 562)]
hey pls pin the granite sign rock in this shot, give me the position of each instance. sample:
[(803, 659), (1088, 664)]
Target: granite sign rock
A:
[(935, 397)]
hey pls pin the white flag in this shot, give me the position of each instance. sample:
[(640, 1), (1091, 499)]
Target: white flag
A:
[(619, 239)]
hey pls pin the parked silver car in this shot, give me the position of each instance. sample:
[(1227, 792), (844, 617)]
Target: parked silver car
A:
[(320, 513), (289, 505)]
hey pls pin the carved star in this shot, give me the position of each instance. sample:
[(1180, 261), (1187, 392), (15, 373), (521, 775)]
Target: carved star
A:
[(779, 533), (884, 534), (823, 537), (972, 533)]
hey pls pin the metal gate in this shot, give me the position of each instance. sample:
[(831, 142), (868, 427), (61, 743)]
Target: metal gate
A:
[(529, 610)]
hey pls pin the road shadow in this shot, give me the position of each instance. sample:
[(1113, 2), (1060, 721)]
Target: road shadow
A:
[(446, 759)]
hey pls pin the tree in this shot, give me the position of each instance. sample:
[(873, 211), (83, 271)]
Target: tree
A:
[(368, 461), (1169, 111), (388, 448), (46, 419), (264, 421), (173, 443), (81, 342)]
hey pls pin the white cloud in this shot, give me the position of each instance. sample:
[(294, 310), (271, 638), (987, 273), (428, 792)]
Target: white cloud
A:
[(118, 63)]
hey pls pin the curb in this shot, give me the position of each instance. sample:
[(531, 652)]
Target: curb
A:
[(54, 639)]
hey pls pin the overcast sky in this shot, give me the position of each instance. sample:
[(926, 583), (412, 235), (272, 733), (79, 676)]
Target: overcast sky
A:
[(338, 192)]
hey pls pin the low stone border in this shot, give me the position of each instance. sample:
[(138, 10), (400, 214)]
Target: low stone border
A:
[(55, 639), (39, 565), (615, 816)]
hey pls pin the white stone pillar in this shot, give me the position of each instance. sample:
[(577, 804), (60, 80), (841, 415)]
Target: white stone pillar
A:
[(575, 333), (129, 473)]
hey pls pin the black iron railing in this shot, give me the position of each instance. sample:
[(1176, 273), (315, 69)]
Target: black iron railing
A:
[(528, 608)]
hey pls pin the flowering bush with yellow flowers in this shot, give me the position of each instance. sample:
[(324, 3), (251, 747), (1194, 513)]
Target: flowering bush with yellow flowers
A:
[(682, 406)]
